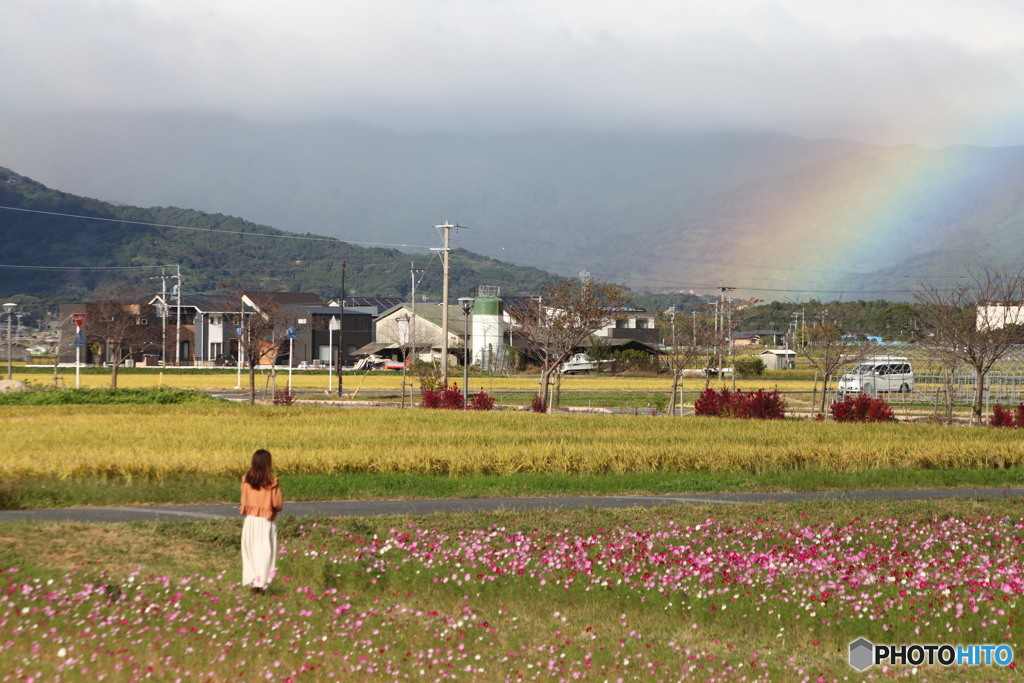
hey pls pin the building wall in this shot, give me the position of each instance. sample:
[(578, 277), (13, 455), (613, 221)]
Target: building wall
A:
[(997, 315)]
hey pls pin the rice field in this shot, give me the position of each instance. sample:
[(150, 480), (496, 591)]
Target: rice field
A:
[(221, 379), (160, 441)]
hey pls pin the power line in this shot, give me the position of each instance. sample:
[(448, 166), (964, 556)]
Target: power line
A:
[(216, 230), (814, 287), (11, 265)]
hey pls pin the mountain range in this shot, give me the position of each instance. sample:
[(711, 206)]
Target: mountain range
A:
[(57, 246), (775, 216)]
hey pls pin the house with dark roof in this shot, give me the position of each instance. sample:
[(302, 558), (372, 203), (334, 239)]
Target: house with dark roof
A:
[(322, 331)]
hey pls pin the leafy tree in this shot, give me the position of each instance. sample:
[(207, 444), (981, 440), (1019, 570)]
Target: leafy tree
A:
[(598, 350), (751, 366)]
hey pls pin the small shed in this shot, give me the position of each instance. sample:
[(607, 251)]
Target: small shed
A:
[(778, 359)]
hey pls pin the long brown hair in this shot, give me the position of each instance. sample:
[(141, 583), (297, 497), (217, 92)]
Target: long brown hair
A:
[(259, 475)]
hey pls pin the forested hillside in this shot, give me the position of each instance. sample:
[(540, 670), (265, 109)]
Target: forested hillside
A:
[(58, 246), (888, 319)]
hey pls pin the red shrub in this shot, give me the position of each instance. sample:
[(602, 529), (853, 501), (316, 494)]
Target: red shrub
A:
[(481, 401), (764, 405), (283, 397), (1001, 417), (538, 405), (863, 408), (449, 398), (758, 405), (708, 404)]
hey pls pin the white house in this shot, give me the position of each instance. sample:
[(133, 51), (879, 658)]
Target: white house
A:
[(421, 335), (995, 315)]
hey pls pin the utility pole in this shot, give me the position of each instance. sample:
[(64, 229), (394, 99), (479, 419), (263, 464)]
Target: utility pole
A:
[(720, 327), (412, 323), (447, 228), (412, 329), (163, 313), (177, 334), (341, 332)]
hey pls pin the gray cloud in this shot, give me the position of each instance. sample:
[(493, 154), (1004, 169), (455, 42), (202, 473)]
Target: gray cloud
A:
[(893, 71)]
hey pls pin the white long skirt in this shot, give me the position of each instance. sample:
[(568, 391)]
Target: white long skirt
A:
[(259, 551)]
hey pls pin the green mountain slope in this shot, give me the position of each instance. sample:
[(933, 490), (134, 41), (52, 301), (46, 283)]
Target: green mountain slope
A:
[(85, 244)]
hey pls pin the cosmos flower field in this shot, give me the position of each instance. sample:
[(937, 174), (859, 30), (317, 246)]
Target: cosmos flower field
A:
[(645, 596)]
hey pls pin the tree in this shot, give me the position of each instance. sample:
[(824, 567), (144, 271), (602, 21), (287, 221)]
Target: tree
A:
[(562, 320), (976, 321), (689, 337), (599, 349), (826, 347), (123, 329)]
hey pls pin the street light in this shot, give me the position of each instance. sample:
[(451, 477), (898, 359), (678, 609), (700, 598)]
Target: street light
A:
[(402, 323), (466, 304), (10, 316), (335, 324)]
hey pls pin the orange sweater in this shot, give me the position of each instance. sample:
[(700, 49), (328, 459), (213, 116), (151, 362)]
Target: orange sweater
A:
[(265, 502)]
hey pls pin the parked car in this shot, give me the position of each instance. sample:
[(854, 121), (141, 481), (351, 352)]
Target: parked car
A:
[(878, 375), (224, 359), (577, 363)]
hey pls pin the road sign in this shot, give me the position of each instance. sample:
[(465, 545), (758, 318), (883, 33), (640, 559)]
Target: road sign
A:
[(239, 331), (291, 332), (79, 318), (79, 340)]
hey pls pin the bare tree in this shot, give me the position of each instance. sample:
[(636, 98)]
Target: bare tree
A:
[(690, 336), (123, 328), (261, 335), (563, 318), (976, 321), (826, 347)]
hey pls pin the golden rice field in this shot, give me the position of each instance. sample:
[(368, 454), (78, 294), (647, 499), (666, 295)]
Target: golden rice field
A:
[(217, 440), (376, 381)]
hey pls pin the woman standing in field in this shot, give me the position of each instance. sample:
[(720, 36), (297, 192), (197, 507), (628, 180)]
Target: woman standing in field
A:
[(261, 501)]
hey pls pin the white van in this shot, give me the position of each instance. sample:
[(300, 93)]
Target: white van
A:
[(878, 375)]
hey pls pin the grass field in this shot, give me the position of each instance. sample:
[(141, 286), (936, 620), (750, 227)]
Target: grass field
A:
[(763, 593), (771, 592)]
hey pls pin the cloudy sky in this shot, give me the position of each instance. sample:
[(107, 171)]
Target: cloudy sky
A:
[(931, 72)]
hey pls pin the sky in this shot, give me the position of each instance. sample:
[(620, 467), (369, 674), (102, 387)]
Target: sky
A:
[(929, 72)]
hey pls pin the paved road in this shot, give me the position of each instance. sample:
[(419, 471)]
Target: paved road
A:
[(350, 508)]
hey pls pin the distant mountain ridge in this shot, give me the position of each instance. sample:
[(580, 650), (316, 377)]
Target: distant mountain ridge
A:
[(779, 215), (86, 244)]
